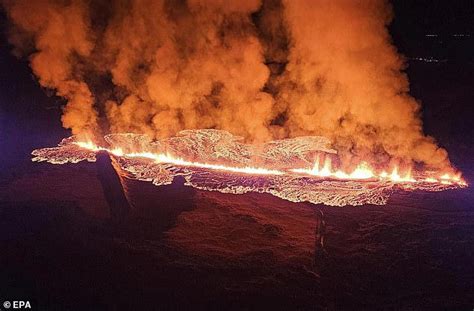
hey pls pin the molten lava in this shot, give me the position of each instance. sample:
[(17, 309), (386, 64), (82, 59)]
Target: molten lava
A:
[(362, 171), (166, 158), (298, 169)]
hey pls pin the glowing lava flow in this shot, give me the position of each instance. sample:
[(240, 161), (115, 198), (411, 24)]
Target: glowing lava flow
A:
[(289, 169), (362, 172), (163, 158)]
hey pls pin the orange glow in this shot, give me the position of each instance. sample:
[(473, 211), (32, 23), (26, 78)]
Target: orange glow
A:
[(363, 170), (166, 158)]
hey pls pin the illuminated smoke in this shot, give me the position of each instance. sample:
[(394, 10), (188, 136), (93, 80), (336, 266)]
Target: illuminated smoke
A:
[(197, 64), (61, 37), (344, 81), (259, 70)]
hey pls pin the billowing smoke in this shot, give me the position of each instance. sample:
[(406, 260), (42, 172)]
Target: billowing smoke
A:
[(343, 80), (57, 37), (261, 70)]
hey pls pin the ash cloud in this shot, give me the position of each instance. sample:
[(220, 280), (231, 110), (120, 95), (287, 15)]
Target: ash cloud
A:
[(259, 69)]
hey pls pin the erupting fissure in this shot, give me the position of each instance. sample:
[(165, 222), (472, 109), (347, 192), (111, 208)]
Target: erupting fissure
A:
[(362, 171), (169, 159), (299, 169), (260, 69)]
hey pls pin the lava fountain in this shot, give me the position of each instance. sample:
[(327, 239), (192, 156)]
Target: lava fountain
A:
[(298, 169)]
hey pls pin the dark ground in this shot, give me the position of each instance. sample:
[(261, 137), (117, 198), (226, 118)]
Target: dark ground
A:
[(186, 248), (192, 249)]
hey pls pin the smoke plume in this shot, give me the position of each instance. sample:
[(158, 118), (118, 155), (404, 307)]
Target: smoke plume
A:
[(259, 69)]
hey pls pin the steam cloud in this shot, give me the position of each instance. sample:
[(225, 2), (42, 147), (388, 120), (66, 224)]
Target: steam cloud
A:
[(260, 69)]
